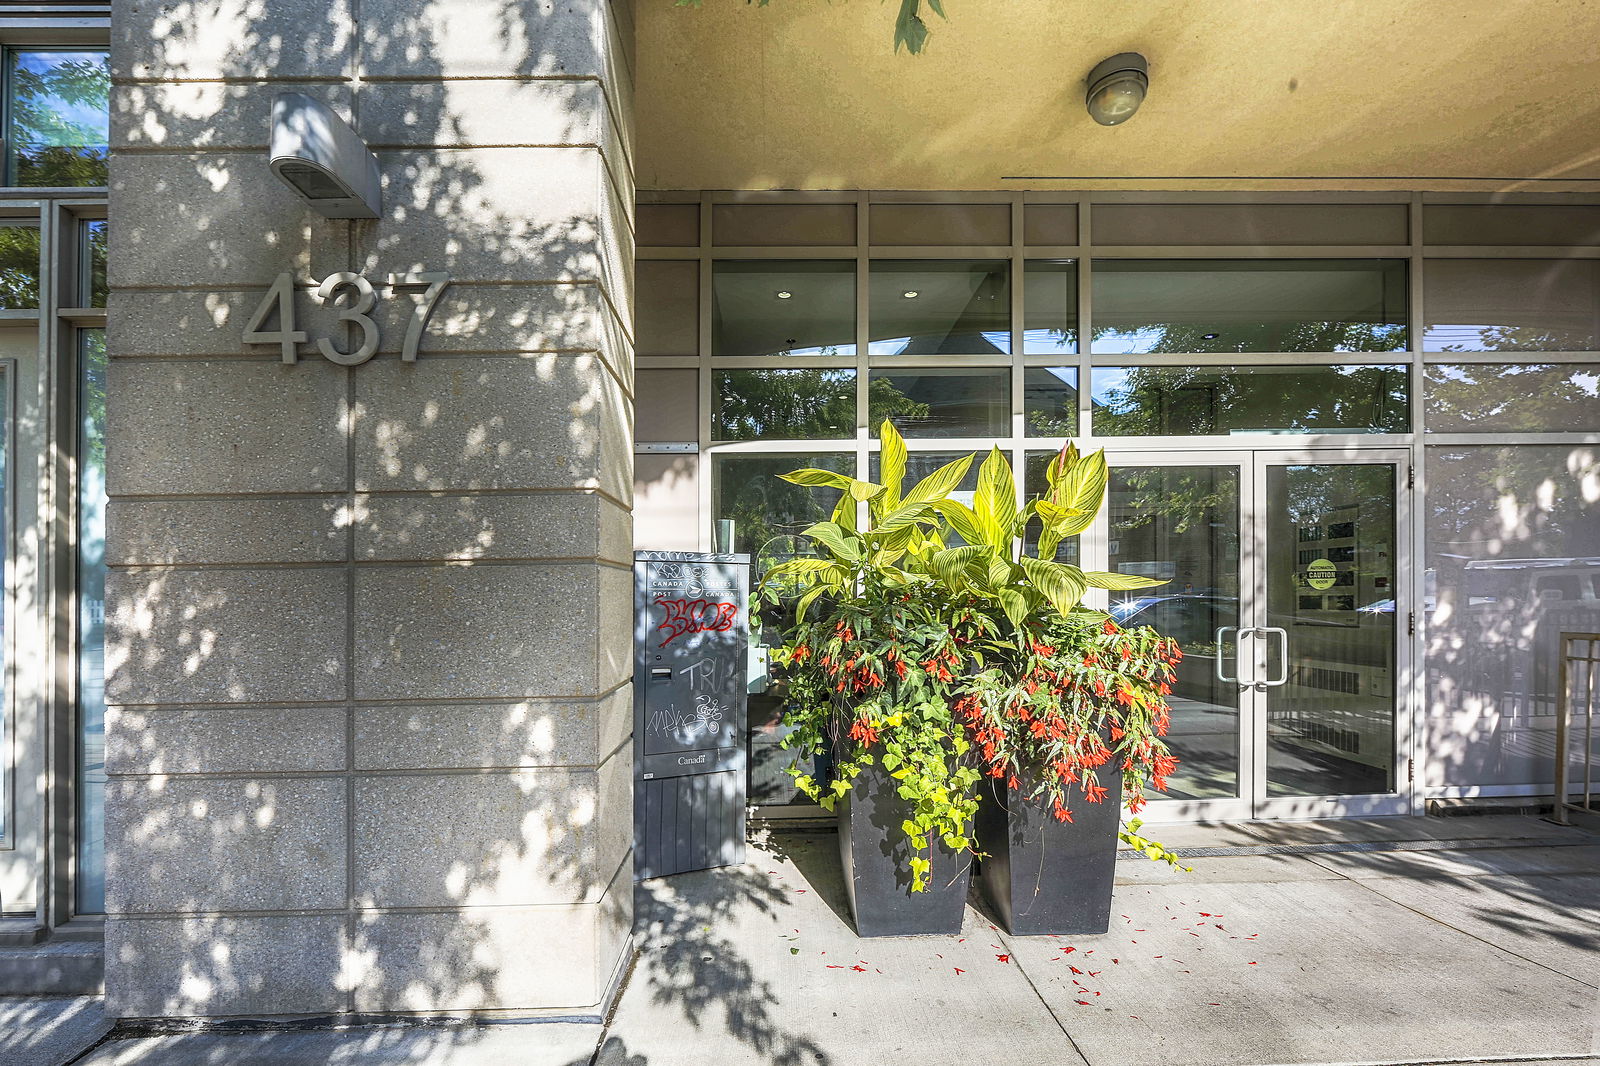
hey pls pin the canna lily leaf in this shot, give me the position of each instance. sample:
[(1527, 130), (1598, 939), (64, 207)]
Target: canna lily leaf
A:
[(1015, 604), (892, 464), (939, 484), (841, 542), (962, 520), (1061, 584), (811, 477), (1102, 580), (995, 501)]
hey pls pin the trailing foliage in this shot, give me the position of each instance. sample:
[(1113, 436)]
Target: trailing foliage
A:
[(910, 31), (926, 643)]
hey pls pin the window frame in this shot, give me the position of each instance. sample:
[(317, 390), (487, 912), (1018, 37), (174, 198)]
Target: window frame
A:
[(8, 48)]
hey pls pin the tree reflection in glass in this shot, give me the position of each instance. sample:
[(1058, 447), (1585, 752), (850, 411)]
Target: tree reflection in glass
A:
[(1196, 400), (1511, 397), (60, 118), (1269, 305)]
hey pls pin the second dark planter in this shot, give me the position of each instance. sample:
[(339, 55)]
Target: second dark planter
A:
[(1043, 876), (877, 873)]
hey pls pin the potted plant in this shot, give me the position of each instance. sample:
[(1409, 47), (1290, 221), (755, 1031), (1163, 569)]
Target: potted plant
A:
[(1067, 714), (872, 665), (923, 665)]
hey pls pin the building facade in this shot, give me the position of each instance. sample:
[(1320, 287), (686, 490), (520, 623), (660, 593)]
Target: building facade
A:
[(318, 532)]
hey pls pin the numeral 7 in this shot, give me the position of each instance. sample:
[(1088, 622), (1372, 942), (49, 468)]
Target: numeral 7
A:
[(433, 283)]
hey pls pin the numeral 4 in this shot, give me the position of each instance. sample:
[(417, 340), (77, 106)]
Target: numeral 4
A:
[(279, 298)]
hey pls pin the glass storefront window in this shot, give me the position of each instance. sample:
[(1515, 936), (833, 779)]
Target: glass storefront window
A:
[(942, 402), (5, 620), (1513, 559), (19, 268), (1181, 525), (939, 307), (59, 123), (783, 404), (1212, 400), (1050, 307), (92, 286), (1512, 397), (783, 307), (1050, 401), (91, 620), (1511, 305), (768, 514), (1144, 306)]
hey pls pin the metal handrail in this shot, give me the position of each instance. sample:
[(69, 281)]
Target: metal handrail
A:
[(1580, 662)]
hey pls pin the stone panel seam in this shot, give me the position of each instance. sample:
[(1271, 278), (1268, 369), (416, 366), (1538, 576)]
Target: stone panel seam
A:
[(157, 151), (356, 912), (366, 564), (625, 742), (571, 769), (370, 704), (347, 931), (410, 701)]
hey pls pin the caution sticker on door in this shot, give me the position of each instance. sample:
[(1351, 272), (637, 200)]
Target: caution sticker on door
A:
[(1321, 574)]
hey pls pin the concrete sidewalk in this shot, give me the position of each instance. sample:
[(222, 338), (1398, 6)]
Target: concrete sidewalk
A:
[(1387, 941)]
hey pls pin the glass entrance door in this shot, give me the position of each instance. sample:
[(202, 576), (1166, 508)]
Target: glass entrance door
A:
[(1283, 586)]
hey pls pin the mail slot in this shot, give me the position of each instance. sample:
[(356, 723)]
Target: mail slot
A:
[(691, 640)]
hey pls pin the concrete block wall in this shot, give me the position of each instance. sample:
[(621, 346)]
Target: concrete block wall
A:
[(369, 726)]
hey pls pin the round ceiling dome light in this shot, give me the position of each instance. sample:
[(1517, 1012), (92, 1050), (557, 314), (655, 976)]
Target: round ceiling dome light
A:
[(784, 294), (1117, 86)]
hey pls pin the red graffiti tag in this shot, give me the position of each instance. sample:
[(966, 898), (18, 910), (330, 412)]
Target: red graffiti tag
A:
[(695, 616)]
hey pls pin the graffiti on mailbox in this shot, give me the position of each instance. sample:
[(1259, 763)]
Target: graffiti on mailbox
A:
[(706, 718), (695, 616)]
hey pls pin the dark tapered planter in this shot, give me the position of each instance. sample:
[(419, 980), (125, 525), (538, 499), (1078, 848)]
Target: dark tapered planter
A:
[(877, 872), (1043, 876)]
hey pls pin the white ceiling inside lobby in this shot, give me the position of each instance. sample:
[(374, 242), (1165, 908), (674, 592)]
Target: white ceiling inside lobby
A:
[(809, 94)]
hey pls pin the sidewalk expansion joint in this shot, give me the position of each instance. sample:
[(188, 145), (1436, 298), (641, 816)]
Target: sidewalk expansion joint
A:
[(1471, 844)]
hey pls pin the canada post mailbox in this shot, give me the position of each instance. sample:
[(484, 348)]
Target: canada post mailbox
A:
[(691, 638)]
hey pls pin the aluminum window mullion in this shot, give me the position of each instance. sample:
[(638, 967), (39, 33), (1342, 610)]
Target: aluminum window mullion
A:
[(1085, 318), (1411, 719), (1512, 357)]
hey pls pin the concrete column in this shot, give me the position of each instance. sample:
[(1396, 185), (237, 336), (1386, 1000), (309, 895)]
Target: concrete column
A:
[(369, 657)]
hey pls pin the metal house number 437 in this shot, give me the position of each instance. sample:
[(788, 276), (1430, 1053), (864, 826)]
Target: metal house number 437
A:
[(352, 296)]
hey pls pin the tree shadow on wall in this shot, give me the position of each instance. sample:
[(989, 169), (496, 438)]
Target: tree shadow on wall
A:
[(368, 648)]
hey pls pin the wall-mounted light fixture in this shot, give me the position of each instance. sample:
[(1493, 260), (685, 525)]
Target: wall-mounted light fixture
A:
[(1117, 86), (318, 155)]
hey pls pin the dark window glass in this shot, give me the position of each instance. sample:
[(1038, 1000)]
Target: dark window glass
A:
[(769, 513), (1511, 305), (940, 307), (783, 307), (1207, 400), (92, 256), (1050, 401), (1239, 305), (60, 118), (943, 403), (783, 404), (19, 267), (1050, 307), (1512, 397)]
